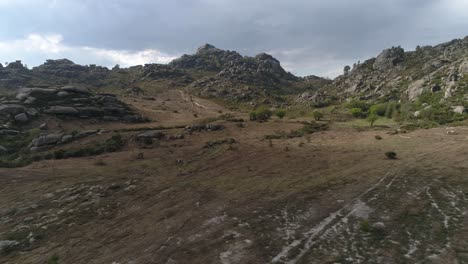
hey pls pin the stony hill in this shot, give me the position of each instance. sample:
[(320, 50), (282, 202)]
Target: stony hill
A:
[(395, 74), (210, 72)]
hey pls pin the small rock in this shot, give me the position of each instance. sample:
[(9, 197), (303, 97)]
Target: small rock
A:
[(62, 94), (66, 139), (32, 112), (30, 100), (21, 118), (451, 132), (378, 226), (43, 126)]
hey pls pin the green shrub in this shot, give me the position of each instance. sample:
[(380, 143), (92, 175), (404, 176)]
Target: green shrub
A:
[(363, 105), (261, 115), (280, 114), (393, 110), (317, 115), (378, 109), (357, 112)]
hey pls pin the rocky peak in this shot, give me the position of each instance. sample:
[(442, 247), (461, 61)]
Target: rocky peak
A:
[(59, 62), (266, 57), (389, 58), (15, 65), (207, 58), (206, 48)]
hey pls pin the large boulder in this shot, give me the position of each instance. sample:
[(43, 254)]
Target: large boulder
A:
[(415, 89), (389, 58), (12, 109), (459, 109), (463, 69), (45, 141)]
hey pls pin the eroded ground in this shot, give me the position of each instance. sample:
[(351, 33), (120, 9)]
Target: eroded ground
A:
[(331, 197)]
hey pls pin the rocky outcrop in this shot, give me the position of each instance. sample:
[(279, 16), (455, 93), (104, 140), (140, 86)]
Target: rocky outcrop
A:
[(208, 57), (203, 127), (238, 78), (399, 75), (49, 140), (65, 102), (61, 68), (389, 58)]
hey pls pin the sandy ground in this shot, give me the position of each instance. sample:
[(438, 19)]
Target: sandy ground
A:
[(332, 197)]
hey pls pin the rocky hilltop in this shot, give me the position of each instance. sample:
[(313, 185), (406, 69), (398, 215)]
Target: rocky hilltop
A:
[(236, 77), (396, 74), (210, 72)]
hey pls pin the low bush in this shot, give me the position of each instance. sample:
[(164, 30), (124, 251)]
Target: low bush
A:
[(378, 109), (260, 115), (363, 105), (317, 115), (357, 112), (280, 114)]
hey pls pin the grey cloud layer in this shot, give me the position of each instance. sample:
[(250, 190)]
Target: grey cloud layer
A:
[(309, 37)]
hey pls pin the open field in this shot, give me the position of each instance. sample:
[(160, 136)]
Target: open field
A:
[(328, 197)]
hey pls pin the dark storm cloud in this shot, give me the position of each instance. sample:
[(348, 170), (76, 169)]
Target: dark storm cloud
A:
[(309, 37)]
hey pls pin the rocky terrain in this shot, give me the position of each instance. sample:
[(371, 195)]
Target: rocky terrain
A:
[(396, 74), (222, 158)]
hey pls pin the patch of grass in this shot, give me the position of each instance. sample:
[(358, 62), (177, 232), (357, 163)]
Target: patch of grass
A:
[(112, 144), (54, 259), (17, 154), (308, 128)]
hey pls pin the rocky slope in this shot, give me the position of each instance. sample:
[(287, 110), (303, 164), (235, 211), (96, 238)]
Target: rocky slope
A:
[(210, 72), (236, 77), (396, 74)]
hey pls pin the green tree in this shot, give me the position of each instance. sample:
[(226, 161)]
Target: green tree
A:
[(372, 118)]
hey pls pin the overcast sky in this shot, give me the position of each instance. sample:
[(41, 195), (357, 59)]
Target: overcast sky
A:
[(308, 36)]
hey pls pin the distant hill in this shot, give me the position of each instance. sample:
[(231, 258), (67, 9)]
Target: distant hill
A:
[(210, 72), (398, 75)]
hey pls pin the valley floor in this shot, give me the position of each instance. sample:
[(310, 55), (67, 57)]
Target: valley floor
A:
[(331, 197)]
